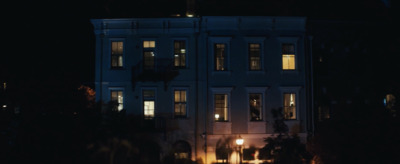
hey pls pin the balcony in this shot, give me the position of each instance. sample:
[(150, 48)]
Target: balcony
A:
[(154, 70)]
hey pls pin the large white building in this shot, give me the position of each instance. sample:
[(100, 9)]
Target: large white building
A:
[(207, 80)]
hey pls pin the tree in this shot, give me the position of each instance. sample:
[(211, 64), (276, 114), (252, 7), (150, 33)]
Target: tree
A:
[(284, 148)]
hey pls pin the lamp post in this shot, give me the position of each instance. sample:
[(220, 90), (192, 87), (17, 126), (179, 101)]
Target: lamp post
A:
[(239, 142)]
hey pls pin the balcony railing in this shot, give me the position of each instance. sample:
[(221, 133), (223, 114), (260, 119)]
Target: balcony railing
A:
[(161, 69)]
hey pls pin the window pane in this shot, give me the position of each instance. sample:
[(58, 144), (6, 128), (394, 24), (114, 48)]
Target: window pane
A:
[(254, 56), (288, 57), (288, 62), (117, 97), (120, 48), (221, 107), (149, 109), (289, 104), (114, 46), (287, 48), (179, 53), (255, 101), (117, 54), (149, 44), (180, 103), (219, 54), (148, 60), (119, 61), (148, 94)]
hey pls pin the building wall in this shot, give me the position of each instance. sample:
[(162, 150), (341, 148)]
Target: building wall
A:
[(200, 79)]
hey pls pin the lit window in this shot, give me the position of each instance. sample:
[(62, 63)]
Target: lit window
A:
[(289, 106), (254, 57), (220, 57), (149, 44), (288, 57), (180, 103), (180, 54), (118, 98), (148, 103), (149, 55), (117, 51), (221, 107), (255, 101)]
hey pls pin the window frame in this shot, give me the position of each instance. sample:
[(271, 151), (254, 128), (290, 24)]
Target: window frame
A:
[(143, 99), (186, 52), (255, 40), (187, 102), (111, 40), (296, 91), (227, 91), (151, 49), (289, 40), (117, 89), (256, 90), (219, 40)]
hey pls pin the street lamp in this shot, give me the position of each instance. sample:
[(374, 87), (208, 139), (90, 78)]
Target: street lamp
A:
[(239, 142)]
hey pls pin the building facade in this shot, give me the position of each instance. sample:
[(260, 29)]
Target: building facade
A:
[(207, 81)]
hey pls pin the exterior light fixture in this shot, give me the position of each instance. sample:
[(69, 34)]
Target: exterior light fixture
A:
[(239, 142)]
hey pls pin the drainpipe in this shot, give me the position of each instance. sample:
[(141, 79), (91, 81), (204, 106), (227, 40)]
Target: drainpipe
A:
[(312, 85), (197, 93)]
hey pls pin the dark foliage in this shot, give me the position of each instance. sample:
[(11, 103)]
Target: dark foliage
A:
[(284, 148)]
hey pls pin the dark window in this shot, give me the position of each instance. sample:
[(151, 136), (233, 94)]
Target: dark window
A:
[(255, 101), (289, 106), (220, 57), (254, 57), (180, 54), (117, 51), (149, 55)]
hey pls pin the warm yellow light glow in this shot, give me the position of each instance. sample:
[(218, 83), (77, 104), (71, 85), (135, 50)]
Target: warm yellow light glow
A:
[(183, 51), (4, 106), (149, 44), (288, 62), (216, 116), (189, 15), (149, 108)]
